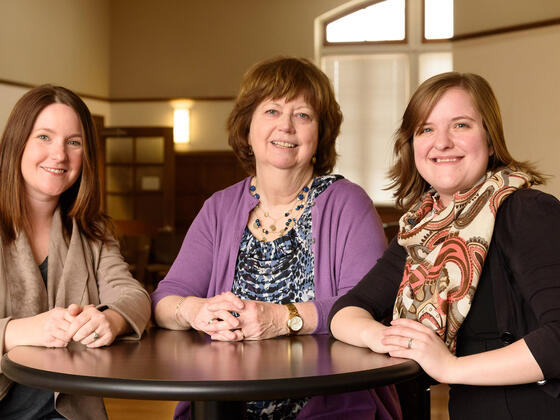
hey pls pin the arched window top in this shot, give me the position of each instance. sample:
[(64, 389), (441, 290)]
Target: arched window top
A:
[(438, 19), (380, 21), (385, 21)]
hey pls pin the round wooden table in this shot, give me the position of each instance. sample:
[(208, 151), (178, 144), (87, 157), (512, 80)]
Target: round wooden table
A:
[(179, 365)]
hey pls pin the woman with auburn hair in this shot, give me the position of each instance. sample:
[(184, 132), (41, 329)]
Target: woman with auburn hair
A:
[(62, 277), (471, 281), (268, 256)]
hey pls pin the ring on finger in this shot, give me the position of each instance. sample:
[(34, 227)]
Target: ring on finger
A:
[(210, 322), (409, 346), (95, 335)]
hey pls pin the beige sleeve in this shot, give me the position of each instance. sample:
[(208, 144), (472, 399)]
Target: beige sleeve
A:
[(119, 291)]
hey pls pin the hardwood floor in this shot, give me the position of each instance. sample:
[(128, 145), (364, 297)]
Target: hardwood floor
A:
[(439, 395), (119, 409)]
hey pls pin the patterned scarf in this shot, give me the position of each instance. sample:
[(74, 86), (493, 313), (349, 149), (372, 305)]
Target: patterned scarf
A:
[(446, 250)]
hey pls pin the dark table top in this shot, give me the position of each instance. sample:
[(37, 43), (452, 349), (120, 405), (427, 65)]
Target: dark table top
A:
[(179, 365)]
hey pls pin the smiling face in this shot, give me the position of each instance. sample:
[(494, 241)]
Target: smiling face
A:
[(284, 134), (52, 158), (451, 150)]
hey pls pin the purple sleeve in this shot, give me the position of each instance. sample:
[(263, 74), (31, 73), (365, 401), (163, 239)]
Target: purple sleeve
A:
[(191, 271), (352, 239)]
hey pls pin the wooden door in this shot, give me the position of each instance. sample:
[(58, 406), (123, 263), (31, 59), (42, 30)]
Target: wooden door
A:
[(139, 178)]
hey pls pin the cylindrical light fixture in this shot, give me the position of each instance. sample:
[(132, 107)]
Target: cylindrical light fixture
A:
[(181, 120)]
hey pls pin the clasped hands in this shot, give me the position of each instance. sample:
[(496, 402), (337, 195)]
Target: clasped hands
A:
[(255, 321), (83, 324)]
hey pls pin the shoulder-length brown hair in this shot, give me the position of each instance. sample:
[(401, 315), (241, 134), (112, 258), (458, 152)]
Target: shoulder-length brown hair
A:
[(82, 201), (410, 186), (286, 77)]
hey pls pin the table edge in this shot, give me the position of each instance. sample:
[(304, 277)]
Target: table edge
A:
[(209, 390)]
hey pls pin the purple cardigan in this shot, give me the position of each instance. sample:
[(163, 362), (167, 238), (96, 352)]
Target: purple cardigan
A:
[(348, 239)]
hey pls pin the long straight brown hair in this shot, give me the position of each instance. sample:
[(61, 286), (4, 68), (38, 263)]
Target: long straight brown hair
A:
[(410, 186), (82, 201)]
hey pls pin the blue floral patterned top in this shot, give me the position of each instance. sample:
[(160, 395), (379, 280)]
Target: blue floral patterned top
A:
[(280, 271)]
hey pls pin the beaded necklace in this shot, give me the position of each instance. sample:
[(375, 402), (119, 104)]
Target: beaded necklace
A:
[(273, 228)]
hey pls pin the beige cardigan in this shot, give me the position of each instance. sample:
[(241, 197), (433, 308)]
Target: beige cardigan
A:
[(80, 271)]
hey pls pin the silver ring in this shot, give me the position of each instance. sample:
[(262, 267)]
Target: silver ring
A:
[(95, 335), (409, 343)]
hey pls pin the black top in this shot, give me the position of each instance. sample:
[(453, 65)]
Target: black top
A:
[(518, 296)]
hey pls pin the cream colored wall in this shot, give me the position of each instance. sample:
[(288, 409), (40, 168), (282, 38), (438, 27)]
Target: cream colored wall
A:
[(207, 120), (524, 70), (56, 41), (482, 15), (171, 48)]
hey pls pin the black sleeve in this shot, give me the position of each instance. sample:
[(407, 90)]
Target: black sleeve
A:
[(377, 291), (529, 230)]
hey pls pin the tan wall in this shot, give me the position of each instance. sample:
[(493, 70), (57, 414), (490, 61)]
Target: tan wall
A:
[(56, 41), (171, 48), (482, 15), (524, 70)]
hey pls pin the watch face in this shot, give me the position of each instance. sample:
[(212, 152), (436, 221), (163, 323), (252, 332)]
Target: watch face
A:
[(296, 323)]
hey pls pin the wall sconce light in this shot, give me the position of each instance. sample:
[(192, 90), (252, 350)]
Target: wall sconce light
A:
[(181, 129)]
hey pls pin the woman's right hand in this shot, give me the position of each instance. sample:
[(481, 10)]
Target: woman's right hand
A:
[(213, 315), (47, 329)]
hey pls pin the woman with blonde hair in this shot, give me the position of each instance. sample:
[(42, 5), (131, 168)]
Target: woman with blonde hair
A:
[(472, 281)]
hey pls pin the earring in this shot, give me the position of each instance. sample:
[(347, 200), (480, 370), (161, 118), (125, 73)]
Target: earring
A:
[(250, 151), (313, 160)]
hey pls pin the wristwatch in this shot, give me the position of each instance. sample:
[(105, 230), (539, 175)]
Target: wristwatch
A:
[(295, 321)]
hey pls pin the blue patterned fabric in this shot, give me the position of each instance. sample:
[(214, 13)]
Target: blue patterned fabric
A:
[(280, 271)]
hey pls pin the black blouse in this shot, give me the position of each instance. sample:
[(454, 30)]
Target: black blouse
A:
[(518, 296)]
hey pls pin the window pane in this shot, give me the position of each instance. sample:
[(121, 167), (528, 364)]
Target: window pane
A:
[(383, 21), (119, 179), (430, 64), (118, 150), (150, 149), (438, 19), (372, 91)]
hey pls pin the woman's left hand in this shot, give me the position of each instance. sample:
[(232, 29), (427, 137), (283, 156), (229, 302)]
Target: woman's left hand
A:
[(258, 321), (95, 328), (417, 342)]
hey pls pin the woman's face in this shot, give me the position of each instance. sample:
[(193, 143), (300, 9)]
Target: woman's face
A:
[(52, 158), (284, 134), (451, 149)]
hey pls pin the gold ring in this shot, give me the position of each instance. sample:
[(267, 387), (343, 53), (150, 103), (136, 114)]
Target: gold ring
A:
[(95, 335), (410, 343)]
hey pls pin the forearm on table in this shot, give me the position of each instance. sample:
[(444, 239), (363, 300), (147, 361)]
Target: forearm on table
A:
[(510, 365), (356, 326), (20, 332), (176, 312)]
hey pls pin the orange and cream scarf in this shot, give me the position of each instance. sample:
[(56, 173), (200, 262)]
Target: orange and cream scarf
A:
[(446, 250)]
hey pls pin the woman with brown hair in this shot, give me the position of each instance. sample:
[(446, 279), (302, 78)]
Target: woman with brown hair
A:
[(62, 277), (268, 256), (471, 279)]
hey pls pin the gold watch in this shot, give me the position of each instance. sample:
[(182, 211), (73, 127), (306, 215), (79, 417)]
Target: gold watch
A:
[(295, 321)]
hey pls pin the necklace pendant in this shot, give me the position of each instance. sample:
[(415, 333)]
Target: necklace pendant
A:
[(272, 228), (266, 214)]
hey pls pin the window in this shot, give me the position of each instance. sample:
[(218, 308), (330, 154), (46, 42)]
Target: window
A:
[(383, 21), (375, 72)]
